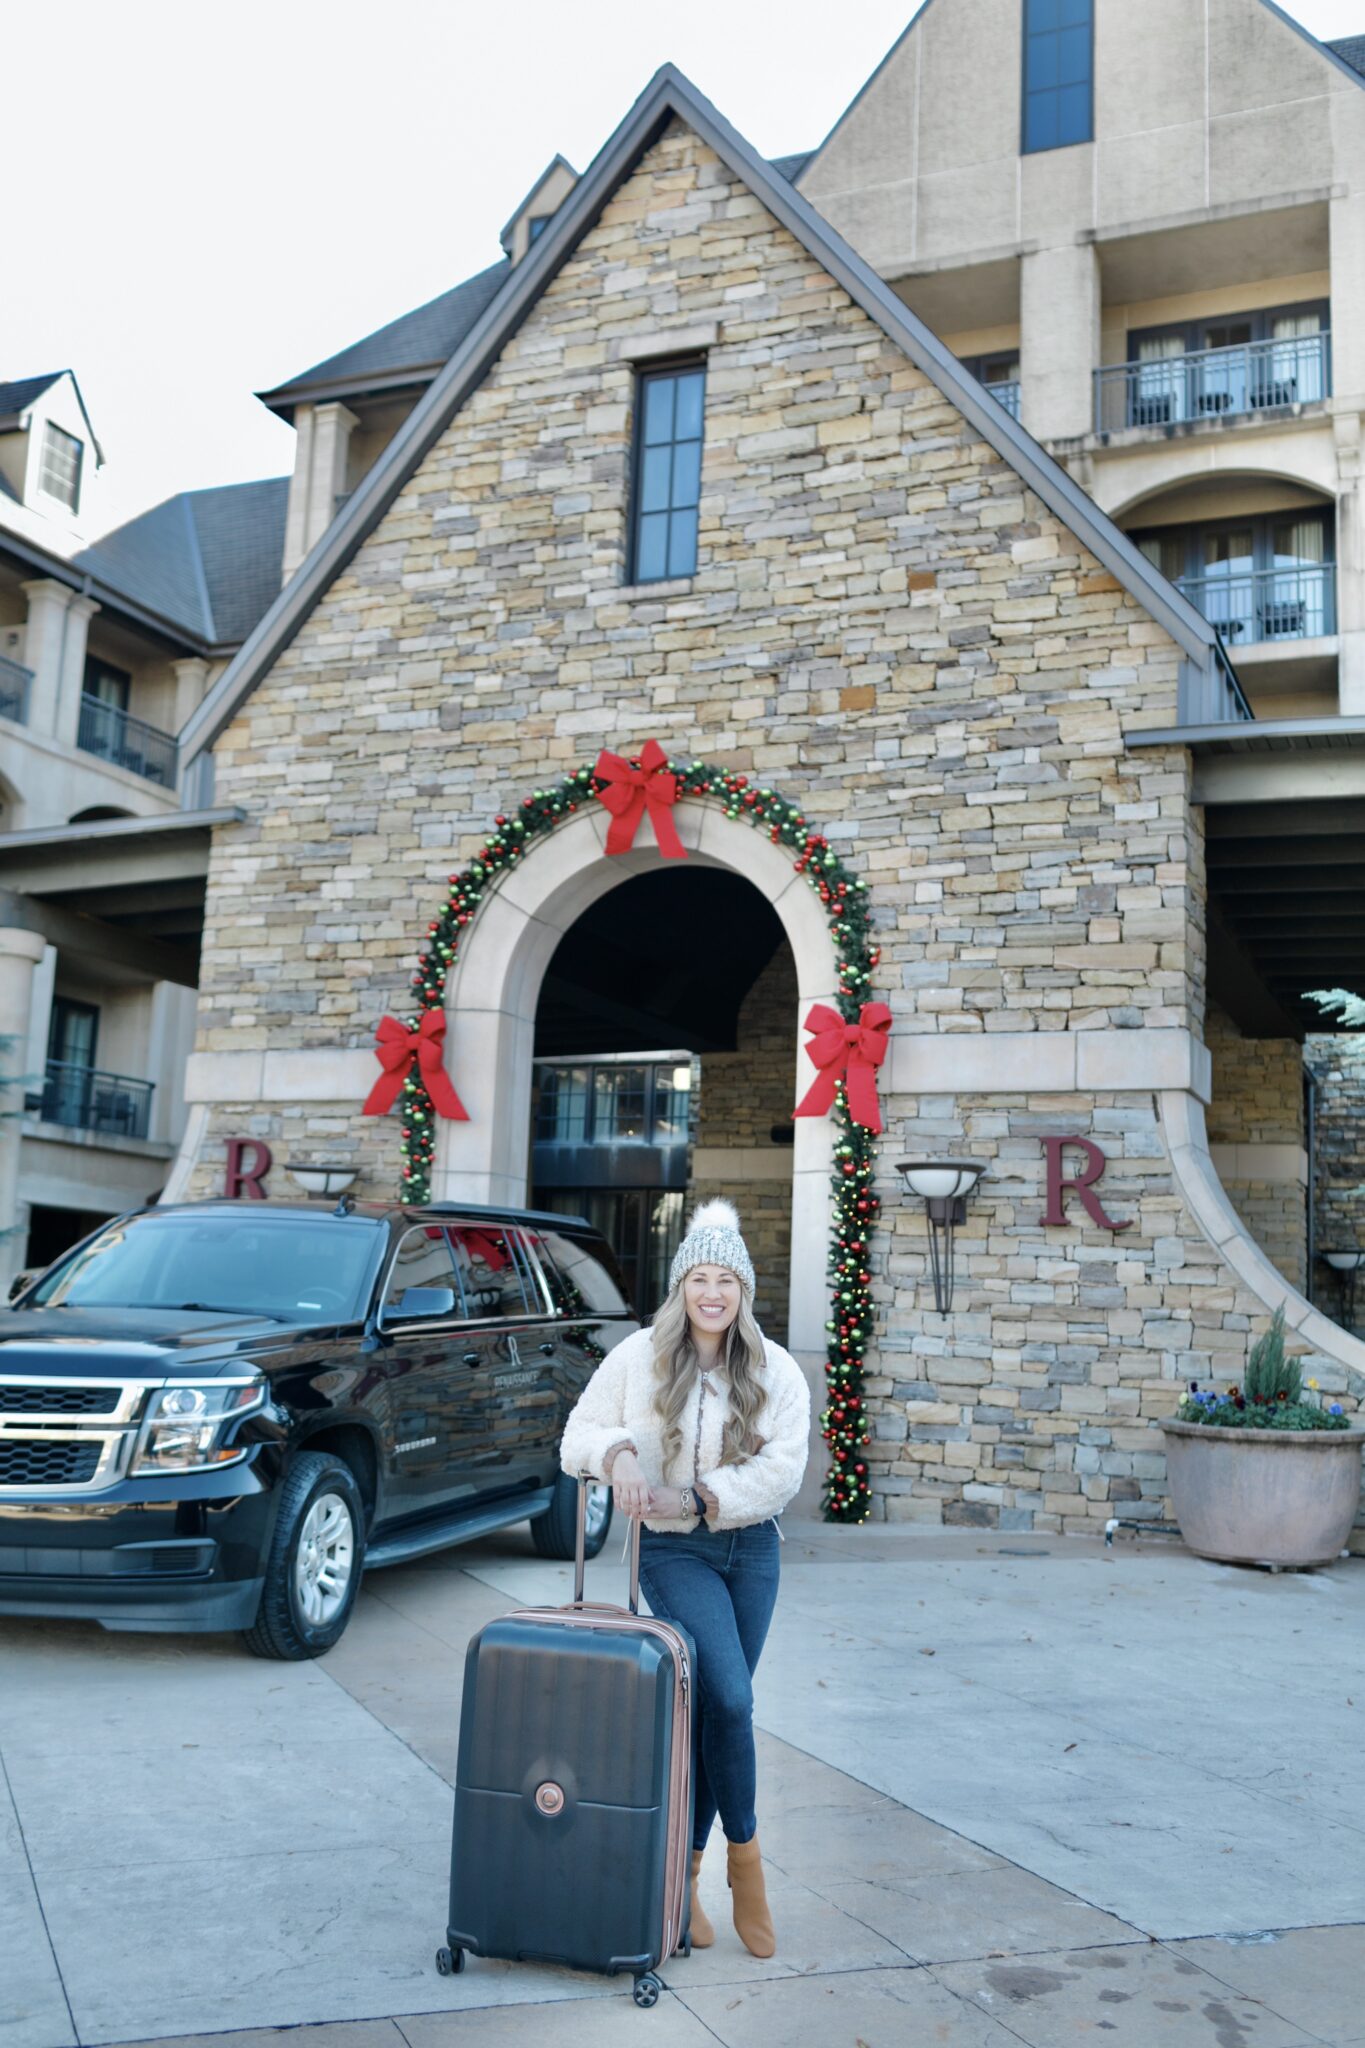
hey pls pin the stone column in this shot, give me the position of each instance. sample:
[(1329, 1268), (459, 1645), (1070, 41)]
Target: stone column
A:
[(191, 683), (20, 952), (296, 515), (44, 645), (319, 479), (1059, 340), (79, 613), (1350, 564)]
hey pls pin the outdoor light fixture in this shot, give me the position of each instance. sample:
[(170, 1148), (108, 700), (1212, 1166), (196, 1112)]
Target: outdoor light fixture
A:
[(321, 1176), (943, 1185), (1348, 1265)]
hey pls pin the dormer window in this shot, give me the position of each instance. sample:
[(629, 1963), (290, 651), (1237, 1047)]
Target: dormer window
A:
[(668, 440), (60, 473)]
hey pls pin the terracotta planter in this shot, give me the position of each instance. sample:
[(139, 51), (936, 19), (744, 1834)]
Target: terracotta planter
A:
[(1261, 1496)]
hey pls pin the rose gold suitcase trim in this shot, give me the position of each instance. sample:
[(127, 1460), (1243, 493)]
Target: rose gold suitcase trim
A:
[(592, 1614)]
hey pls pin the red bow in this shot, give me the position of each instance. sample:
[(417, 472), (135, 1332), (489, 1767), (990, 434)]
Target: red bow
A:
[(851, 1053), (396, 1048), (634, 789)]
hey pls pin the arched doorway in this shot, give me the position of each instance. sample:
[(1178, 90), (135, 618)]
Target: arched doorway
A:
[(662, 1073), (493, 1000)]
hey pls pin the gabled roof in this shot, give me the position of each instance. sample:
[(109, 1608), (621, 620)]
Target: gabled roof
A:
[(669, 95), (1336, 53), (209, 562), (17, 396)]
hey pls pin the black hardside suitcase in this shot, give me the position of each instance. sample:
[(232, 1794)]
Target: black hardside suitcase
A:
[(573, 1788)]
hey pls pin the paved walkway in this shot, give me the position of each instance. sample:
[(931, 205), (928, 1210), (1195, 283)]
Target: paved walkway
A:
[(1012, 1790)]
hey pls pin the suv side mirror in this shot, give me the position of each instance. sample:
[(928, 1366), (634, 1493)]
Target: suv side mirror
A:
[(423, 1304)]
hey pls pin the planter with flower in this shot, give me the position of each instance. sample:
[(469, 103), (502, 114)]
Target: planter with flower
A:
[(1266, 1473)]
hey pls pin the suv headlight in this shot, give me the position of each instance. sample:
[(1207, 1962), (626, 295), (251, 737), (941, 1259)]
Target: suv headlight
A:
[(186, 1426)]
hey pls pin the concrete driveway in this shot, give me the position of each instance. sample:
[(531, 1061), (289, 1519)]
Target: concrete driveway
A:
[(1012, 1789)]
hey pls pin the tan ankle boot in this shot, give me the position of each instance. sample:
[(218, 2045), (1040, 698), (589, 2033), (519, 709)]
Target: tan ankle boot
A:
[(753, 1921), (703, 1933)]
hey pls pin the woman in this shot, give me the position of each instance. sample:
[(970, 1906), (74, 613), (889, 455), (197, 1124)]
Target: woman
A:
[(702, 1425)]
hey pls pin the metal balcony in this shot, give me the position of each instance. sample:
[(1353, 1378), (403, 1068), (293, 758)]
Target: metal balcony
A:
[(1253, 606), (14, 688), (86, 1099), (114, 735), (1213, 383)]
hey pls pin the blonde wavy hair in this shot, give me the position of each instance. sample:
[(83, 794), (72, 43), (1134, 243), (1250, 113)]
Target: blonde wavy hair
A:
[(676, 1365)]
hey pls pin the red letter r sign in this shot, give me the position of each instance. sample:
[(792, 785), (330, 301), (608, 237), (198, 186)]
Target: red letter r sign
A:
[(1082, 1183)]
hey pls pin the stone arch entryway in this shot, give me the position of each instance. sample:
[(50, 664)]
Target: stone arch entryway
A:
[(493, 992)]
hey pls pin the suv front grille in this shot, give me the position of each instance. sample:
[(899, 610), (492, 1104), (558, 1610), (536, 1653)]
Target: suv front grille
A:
[(31, 1461), (56, 1399)]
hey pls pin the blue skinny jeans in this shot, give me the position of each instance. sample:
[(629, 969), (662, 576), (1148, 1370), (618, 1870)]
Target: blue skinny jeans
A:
[(721, 1586)]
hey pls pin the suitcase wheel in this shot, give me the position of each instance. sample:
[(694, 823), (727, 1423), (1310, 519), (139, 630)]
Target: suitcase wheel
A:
[(450, 1962), (647, 1989)]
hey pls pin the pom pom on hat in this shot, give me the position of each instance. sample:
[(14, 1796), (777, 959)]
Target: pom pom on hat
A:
[(713, 1239)]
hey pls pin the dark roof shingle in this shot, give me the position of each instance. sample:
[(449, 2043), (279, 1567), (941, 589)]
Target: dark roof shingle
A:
[(421, 340), (18, 395), (206, 561), (1351, 50)]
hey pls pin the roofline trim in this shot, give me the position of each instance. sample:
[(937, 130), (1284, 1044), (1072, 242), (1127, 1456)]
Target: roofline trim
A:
[(288, 396), (119, 828), (1263, 734), (670, 95)]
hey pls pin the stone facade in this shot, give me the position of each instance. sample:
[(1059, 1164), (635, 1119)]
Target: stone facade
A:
[(1256, 1130), (1338, 1064), (886, 624)]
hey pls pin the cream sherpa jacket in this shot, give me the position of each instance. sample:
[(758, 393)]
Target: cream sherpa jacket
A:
[(617, 1406)]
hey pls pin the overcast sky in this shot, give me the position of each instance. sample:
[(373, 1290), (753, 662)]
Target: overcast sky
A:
[(220, 196)]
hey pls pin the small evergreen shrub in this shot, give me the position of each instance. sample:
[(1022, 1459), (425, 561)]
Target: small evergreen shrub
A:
[(1271, 1395)]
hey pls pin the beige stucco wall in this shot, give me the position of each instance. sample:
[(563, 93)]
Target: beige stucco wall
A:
[(885, 624)]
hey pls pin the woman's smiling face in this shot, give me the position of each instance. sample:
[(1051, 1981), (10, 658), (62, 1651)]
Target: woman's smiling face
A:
[(711, 1294)]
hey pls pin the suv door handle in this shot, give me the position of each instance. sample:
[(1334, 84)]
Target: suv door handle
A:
[(548, 1349), (472, 1357)]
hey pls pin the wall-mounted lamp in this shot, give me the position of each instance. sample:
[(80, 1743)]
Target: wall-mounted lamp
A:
[(1348, 1265), (943, 1185), (321, 1176)]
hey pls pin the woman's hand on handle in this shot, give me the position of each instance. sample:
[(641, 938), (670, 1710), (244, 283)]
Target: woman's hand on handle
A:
[(630, 1489)]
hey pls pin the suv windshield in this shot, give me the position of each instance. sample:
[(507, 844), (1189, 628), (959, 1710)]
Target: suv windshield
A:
[(251, 1262)]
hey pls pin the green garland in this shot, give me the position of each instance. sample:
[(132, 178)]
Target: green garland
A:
[(847, 1494)]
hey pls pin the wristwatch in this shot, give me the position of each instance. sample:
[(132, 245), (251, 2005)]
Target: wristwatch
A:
[(698, 1504)]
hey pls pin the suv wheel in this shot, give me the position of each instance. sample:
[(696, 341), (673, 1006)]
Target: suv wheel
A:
[(312, 1573), (555, 1532)]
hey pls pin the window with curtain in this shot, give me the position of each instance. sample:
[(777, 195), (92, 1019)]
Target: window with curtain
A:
[(668, 443), (72, 1032), (1058, 73), (1256, 579)]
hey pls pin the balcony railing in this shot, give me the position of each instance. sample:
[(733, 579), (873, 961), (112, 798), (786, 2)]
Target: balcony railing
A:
[(1006, 395), (1213, 383), (85, 1099), (1267, 604), (114, 735), (14, 688)]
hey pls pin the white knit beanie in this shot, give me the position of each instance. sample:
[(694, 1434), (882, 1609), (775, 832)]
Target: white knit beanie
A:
[(713, 1239)]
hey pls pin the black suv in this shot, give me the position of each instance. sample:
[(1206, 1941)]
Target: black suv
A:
[(215, 1416)]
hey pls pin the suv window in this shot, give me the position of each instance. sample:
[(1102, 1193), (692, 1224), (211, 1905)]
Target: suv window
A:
[(423, 1259), (490, 1272), (580, 1277)]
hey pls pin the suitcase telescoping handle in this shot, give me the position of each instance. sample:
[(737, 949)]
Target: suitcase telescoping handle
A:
[(585, 1480)]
